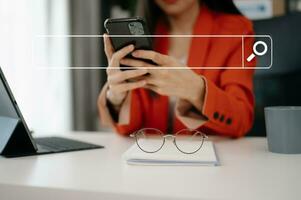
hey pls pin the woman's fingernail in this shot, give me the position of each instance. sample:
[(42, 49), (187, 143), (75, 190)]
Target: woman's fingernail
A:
[(135, 54)]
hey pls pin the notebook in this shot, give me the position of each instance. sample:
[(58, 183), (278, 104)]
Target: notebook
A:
[(170, 155)]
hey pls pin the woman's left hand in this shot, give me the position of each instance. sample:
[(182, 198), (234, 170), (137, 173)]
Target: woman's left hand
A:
[(182, 83)]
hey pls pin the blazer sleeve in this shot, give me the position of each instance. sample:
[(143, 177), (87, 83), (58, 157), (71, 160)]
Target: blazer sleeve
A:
[(128, 121), (228, 109)]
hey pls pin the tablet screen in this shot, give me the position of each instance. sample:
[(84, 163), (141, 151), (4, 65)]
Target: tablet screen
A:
[(7, 108)]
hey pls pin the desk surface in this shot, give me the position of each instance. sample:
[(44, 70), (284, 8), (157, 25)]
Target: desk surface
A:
[(247, 171)]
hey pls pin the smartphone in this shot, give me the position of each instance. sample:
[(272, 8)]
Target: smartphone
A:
[(134, 28)]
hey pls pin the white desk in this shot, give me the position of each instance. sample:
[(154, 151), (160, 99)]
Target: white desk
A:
[(247, 171)]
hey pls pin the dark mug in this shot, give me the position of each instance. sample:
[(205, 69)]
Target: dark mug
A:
[(283, 127)]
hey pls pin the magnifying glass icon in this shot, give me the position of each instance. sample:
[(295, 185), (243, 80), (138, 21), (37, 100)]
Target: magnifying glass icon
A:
[(256, 52)]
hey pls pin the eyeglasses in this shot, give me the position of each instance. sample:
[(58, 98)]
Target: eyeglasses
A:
[(152, 140)]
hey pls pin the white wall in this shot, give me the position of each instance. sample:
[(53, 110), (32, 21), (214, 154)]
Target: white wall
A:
[(43, 95)]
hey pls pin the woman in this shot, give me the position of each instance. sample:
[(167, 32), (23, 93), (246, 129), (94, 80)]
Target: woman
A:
[(215, 101)]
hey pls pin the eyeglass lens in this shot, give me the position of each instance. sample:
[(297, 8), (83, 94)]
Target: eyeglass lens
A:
[(150, 140), (189, 141)]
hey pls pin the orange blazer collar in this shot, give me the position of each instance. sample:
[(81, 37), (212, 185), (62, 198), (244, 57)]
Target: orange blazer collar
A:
[(199, 46)]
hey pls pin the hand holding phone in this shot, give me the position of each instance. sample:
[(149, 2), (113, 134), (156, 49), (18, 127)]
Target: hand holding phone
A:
[(118, 79), (126, 31)]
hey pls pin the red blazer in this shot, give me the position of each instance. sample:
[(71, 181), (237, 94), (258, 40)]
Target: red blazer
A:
[(229, 99)]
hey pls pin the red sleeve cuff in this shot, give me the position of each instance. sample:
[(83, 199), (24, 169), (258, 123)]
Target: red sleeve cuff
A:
[(219, 110)]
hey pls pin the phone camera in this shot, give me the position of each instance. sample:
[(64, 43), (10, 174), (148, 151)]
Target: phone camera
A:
[(136, 28)]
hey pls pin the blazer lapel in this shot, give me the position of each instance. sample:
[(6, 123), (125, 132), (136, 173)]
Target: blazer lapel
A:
[(199, 45)]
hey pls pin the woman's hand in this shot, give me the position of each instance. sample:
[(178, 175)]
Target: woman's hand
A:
[(117, 79), (182, 83)]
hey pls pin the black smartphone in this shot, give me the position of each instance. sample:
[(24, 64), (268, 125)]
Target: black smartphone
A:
[(126, 31)]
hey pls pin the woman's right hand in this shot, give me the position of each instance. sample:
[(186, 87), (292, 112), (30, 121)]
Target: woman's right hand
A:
[(117, 79)]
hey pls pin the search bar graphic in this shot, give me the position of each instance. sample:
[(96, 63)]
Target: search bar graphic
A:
[(240, 50)]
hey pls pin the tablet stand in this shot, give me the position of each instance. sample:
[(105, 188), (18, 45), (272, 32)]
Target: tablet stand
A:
[(14, 138)]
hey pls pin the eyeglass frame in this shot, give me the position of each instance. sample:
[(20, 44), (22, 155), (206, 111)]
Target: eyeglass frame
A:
[(173, 136)]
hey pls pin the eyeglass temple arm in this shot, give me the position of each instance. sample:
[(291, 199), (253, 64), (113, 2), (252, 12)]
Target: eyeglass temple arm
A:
[(203, 134), (133, 135)]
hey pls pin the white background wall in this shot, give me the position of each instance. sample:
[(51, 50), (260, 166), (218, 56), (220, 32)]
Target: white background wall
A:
[(43, 94)]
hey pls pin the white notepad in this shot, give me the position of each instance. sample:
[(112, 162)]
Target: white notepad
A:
[(170, 155)]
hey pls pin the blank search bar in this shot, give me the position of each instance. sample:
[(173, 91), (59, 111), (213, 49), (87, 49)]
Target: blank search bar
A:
[(215, 51)]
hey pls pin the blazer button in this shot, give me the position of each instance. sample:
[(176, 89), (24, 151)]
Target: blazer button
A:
[(216, 115), (222, 118), (229, 121)]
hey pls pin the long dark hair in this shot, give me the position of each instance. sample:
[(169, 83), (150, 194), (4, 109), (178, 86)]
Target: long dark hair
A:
[(152, 13)]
